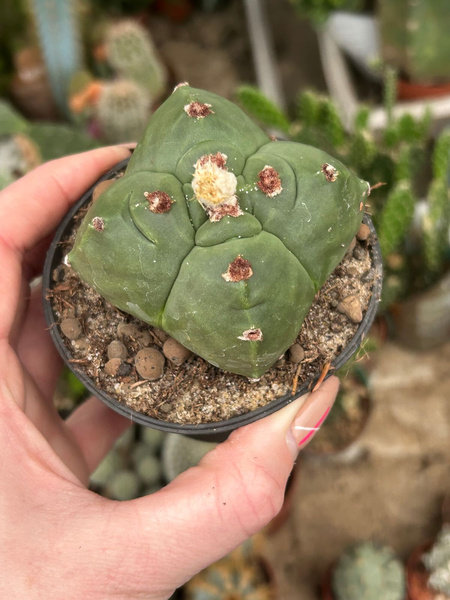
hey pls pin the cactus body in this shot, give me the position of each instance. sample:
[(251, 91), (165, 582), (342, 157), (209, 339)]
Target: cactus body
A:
[(131, 54), (369, 572), (218, 235), (437, 562), (415, 37)]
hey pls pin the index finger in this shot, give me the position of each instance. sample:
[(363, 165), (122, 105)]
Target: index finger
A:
[(32, 207)]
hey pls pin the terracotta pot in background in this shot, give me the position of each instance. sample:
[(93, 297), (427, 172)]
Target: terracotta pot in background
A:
[(417, 576), (407, 90)]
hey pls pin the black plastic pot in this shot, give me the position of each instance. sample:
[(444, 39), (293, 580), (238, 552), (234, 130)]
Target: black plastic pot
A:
[(219, 430)]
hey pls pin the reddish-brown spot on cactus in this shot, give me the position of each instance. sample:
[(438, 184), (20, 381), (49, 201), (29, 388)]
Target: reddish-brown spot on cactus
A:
[(269, 182), (198, 110), (251, 335), (230, 208), (330, 172), (218, 159), (98, 223), (158, 202), (239, 270)]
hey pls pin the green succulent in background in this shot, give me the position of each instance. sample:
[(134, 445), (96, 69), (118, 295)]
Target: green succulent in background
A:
[(181, 452), (437, 562), (396, 157), (368, 571), (219, 235), (27, 143)]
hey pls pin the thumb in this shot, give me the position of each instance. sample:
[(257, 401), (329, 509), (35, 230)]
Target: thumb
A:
[(235, 490)]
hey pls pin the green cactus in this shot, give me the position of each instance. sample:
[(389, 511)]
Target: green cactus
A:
[(415, 37), (437, 222), (181, 453), (218, 235), (131, 54), (437, 562), (122, 111), (368, 571)]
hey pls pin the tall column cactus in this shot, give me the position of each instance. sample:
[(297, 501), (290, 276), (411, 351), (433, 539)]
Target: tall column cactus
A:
[(219, 235)]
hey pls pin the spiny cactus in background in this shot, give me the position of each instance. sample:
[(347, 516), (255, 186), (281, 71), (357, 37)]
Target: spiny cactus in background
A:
[(181, 453), (60, 40), (132, 55), (319, 10), (437, 562), (368, 571), (415, 38), (227, 241), (122, 111), (238, 576), (436, 227)]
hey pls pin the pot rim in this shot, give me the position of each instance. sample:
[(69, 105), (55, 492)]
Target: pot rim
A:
[(215, 430)]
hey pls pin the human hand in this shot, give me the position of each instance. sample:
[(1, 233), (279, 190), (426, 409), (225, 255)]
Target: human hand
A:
[(57, 538)]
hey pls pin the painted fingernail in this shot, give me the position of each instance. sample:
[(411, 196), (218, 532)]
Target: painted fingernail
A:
[(312, 415)]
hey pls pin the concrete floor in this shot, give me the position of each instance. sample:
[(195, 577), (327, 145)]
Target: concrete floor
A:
[(389, 486)]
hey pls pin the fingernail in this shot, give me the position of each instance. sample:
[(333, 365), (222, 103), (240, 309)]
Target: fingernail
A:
[(311, 415), (129, 145)]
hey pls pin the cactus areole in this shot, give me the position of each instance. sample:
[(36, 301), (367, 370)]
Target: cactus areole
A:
[(217, 234)]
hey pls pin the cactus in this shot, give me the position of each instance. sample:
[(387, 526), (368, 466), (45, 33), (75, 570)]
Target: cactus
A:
[(368, 571), (131, 54), (59, 37), (437, 222), (218, 235), (181, 453), (437, 562), (415, 37), (239, 575), (122, 111)]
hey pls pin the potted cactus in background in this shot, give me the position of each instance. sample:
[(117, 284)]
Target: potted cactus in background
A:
[(415, 41), (234, 289), (428, 569), (241, 575), (366, 571)]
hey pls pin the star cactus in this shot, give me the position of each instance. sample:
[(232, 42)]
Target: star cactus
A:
[(217, 234)]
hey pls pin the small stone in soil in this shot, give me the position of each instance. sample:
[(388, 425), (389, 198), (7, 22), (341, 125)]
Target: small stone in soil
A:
[(112, 366), (71, 328), (296, 353), (149, 363), (175, 352), (133, 331), (351, 307), (363, 232), (359, 253), (117, 350), (160, 334)]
